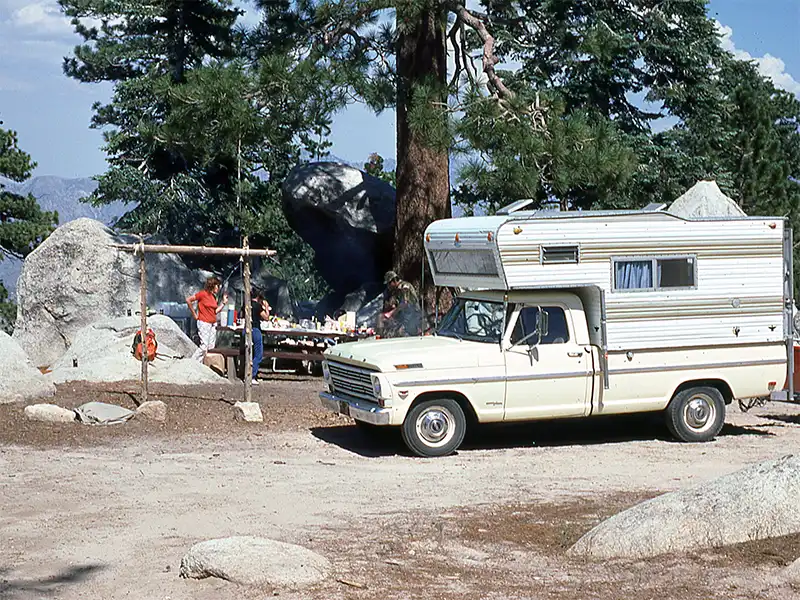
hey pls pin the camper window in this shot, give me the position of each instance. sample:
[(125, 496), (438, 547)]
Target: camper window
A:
[(676, 272), (633, 275), (557, 331), (657, 273), (464, 262)]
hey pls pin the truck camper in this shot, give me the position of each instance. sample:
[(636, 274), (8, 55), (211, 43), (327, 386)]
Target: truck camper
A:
[(578, 314)]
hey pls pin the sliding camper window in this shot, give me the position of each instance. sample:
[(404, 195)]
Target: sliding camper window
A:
[(657, 273)]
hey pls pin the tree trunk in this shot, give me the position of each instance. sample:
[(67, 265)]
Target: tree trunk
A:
[(423, 181)]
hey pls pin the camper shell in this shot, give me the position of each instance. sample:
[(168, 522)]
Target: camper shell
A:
[(712, 281)]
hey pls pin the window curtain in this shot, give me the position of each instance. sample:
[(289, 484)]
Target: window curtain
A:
[(634, 275)]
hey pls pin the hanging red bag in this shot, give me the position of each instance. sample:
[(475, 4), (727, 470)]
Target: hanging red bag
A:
[(150, 343)]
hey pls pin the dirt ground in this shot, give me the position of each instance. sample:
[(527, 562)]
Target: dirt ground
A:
[(90, 512)]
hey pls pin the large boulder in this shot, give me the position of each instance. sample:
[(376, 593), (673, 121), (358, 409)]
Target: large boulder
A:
[(76, 277), (254, 561), (168, 277), (20, 380), (751, 504), (705, 199), (102, 352), (347, 217)]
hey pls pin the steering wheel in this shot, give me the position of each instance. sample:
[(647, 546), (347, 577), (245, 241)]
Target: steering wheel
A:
[(486, 324)]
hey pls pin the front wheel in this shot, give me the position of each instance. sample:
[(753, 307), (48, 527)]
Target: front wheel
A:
[(434, 427), (696, 414)]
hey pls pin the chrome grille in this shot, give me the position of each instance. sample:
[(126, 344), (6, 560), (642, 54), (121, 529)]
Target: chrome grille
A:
[(351, 381)]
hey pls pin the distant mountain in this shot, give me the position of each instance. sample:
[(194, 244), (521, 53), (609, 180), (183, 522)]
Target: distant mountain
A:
[(62, 195)]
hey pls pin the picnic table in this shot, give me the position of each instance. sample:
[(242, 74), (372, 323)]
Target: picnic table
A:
[(293, 344)]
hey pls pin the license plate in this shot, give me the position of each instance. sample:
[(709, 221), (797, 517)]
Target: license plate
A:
[(344, 408)]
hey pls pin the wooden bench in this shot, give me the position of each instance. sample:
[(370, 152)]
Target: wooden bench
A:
[(289, 355)]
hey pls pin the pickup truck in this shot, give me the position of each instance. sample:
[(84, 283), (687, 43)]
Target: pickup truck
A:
[(516, 356)]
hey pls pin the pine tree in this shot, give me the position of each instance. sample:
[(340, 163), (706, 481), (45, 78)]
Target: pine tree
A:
[(393, 54), (148, 50), (204, 123), (23, 225)]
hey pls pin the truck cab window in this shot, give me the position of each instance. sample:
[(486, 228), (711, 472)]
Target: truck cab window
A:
[(526, 325), (474, 320)]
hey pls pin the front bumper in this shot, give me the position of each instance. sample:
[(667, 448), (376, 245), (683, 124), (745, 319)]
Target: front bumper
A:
[(361, 410)]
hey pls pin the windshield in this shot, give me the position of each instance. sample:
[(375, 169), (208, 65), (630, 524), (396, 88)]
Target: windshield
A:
[(475, 320)]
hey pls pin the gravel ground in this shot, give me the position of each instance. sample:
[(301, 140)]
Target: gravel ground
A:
[(107, 512)]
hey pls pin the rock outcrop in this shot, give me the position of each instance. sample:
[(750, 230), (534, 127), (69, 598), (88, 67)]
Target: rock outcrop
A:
[(754, 503), (102, 352), (705, 199), (347, 217), (19, 379), (254, 561), (76, 277)]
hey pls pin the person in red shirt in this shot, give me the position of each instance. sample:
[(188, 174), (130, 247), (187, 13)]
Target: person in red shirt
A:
[(206, 315)]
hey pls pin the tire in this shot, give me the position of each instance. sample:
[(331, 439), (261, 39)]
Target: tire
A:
[(434, 427), (696, 414)]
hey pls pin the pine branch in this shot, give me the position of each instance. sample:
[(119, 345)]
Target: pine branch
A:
[(490, 59), (335, 33)]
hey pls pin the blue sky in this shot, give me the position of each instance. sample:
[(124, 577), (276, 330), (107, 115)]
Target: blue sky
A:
[(51, 113)]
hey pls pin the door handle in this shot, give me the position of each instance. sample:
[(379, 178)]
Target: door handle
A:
[(575, 354)]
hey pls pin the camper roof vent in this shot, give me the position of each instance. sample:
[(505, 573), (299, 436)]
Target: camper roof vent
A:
[(655, 207), (514, 206)]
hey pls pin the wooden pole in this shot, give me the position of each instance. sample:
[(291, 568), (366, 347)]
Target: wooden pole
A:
[(167, 249), (143, 320), (248, 326)]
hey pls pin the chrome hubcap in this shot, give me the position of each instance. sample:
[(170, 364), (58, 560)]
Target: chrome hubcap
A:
[(699, 413), (435, 426)]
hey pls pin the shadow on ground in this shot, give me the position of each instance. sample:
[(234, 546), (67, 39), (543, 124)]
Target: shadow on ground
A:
[(21, 589), (564, 432), (383, 441), (790, 419)]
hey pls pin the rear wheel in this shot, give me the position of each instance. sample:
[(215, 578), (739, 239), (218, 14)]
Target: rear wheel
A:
[(434, 427), (696, 414)]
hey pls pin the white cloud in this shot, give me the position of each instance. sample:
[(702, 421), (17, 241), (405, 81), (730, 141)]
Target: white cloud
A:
[(43, 19), (769, 66)]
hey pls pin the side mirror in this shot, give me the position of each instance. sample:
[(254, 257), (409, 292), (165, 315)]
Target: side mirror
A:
[(542, 323)]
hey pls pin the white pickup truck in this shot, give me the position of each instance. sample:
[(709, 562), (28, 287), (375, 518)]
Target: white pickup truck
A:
[(670, 315)]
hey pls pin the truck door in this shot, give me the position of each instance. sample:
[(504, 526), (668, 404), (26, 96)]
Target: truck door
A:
[(548, 379)]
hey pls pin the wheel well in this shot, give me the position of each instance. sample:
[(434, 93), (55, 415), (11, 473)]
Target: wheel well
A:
[(719, 384), (465, 404)]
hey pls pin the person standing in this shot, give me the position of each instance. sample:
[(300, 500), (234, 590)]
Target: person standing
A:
[(260, 310), (205, 313), (399, 301)]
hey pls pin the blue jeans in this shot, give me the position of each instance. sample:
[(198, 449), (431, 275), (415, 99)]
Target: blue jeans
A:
[(258, 350)]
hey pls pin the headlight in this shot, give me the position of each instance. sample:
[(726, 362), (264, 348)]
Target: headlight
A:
[(326, 372), (381, 389)]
